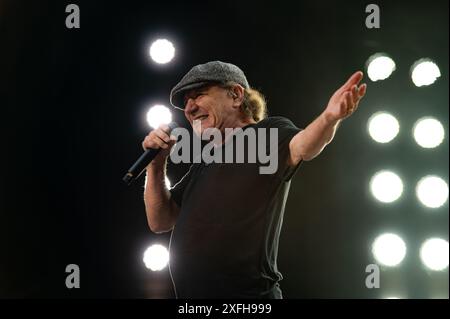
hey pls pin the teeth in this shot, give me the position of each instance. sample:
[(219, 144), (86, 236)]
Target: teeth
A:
[(202, 117)]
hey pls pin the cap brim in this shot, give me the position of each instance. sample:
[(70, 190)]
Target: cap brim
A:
[(177, 96)]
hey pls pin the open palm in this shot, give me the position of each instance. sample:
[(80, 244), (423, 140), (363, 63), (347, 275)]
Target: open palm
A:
[(345, 100)]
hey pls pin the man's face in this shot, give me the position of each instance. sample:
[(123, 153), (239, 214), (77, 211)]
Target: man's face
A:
[(212, 106)]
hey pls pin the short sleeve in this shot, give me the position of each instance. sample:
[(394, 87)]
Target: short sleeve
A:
[(286, 131)]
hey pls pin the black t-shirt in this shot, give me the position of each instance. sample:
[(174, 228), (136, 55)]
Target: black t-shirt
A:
[(225, 241)]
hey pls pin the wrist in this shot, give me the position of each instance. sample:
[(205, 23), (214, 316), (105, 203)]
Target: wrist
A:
[(157, 165), (330, 119)]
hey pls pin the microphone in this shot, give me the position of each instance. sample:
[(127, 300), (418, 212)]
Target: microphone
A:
[(139, 166)]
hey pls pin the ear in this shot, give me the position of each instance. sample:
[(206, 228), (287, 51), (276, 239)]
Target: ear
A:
[(237, 93)]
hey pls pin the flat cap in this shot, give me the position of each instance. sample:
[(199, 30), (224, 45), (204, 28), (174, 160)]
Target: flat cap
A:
[(202, 74)]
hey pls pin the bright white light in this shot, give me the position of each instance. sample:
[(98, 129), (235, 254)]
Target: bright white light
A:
[(156, 257), (389, 249), (428, 132), (383, 127), (386, 186), (424, 72), (434, 254), (380, 67), (432, 191), (168, 184), (162, 51), (157, 115)]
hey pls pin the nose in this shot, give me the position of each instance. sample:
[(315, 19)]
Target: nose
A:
[(190, 108)]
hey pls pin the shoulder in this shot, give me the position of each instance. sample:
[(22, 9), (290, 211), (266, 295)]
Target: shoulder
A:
[(276, 122), (285, 128)]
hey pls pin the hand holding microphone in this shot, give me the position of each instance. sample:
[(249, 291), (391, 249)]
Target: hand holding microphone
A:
[(157, 144), (159, 139)]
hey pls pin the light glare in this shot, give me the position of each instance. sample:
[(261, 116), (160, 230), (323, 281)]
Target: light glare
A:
[(424, 72), (156, 257), (383, 127), (380, 67), (432, 191), (168, 184), (162, 51), (428, 132), (386, 186), (389, 249), (157, 115), (434, 254)]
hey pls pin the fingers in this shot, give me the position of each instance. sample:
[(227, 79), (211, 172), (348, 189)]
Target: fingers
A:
[(153, 141), (349, 101), (353, 80), (362, 90), (159, 138), (163, 135), (348, 104), (344, 104), (348, 97), (165, 128), (356, 93), (355, 96)]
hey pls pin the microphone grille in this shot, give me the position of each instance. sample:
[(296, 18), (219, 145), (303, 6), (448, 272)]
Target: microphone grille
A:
[(172, 125)]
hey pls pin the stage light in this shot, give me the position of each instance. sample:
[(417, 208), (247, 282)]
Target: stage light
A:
[(157, 115), (380, 67), (432, 191), (156, 257), (162, 51), (386, 186), (434, 254), (424, 72), (428, 132), (389, 249), (383, 127)]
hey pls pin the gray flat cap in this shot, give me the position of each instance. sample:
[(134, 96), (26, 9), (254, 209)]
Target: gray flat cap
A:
[(202, 74)]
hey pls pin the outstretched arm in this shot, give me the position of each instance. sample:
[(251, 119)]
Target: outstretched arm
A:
[(310, 142)]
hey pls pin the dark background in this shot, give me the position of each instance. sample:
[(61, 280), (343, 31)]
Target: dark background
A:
[(73, 105)]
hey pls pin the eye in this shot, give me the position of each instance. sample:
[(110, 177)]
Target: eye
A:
[(193, 96)]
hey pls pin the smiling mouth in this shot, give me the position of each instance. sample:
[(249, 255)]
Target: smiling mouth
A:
[(201, 118)]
